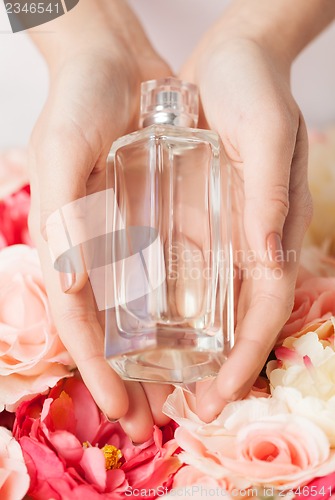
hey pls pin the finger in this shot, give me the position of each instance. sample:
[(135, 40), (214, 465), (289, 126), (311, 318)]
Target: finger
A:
[(156, 395), (78, 327), (69, 163), (63, 165), (267, 153), (255, 336), (269, 300), (138, 422)]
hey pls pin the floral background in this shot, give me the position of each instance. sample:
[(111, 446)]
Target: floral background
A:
[(56, 444)]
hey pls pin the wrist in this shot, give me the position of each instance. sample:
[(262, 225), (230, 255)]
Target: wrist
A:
[(105, 27), (281, 28)]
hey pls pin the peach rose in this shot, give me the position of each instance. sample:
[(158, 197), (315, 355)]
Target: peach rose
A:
[(181, 407), (191, 482), (325, 330), (32, 357), (14, 478), (252, 442), (284, 451), (314, 300)]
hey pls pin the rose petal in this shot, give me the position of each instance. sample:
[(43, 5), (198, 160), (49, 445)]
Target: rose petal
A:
[(93, 464)]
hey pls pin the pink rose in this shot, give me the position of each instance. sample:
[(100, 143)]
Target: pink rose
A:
[(13, 219), (14, 479), (14, 198), (32, 357), (73, 452), (314, 301)]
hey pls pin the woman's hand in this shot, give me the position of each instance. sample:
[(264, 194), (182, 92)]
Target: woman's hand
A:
[(96, 62), (246, 97), (242, 67)]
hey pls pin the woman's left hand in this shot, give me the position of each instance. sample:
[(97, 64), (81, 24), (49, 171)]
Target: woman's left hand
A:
[(246, 98)]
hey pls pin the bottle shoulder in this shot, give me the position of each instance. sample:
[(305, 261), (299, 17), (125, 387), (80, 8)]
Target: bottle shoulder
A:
[(168, 133)]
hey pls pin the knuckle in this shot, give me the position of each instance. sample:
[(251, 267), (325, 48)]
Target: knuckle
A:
[(279, 198), (77, 315), (275, 200)]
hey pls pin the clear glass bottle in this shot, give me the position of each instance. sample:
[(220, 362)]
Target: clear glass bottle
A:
[(171, 244)]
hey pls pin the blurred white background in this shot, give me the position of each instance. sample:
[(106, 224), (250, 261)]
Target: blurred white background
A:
[(174, 26)]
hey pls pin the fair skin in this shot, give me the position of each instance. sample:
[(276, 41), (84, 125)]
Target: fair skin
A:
[(97, 56)]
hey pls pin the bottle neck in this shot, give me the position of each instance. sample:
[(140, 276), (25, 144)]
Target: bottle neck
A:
[(168, 118), (169, 106)]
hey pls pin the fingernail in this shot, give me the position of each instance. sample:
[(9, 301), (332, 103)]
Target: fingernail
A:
[(275, 249), (67, 275), (136, 444), (110, 420)]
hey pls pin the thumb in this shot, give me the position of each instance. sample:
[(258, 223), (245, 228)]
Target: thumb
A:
[(62, 180), (267, 158)]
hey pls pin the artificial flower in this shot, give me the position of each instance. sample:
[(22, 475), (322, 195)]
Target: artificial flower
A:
[(14, 198), (324, 329), (14, 478), (72, 451), (314, 300), (32, 357), (252, 442), (318, 489), (14, 219), (181, 407), (320, 411), (302, 376), (305, 363), (191, 482)]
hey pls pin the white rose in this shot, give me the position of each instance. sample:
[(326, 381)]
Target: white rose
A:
[(307, 365), (317, 410)]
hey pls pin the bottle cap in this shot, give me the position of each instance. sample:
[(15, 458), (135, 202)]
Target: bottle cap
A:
[(169, 101)]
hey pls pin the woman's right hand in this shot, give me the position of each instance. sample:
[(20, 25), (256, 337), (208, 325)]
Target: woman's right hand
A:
[(97, 56)]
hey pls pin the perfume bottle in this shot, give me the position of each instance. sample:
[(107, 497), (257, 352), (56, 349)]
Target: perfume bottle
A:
[(170, 244)]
